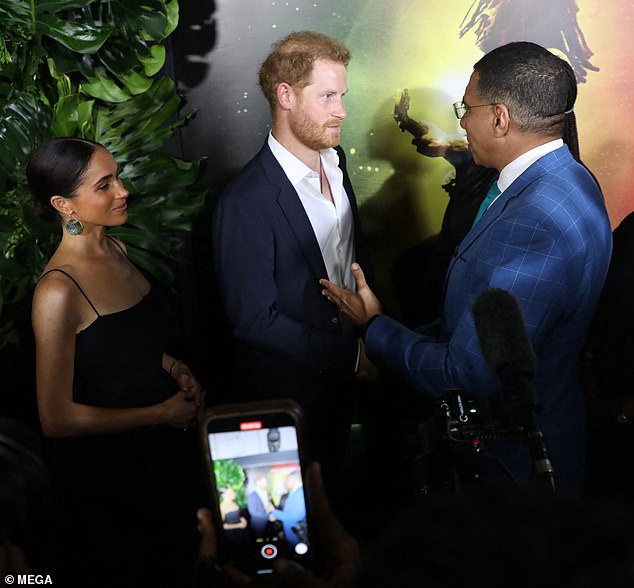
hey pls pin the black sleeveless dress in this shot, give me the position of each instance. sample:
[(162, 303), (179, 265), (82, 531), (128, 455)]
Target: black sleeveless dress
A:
[(126, 501)]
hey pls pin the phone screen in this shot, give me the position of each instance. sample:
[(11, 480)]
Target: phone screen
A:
[(256, 473)]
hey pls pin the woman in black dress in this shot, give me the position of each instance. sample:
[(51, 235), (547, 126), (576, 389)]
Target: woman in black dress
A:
[(116, 406)]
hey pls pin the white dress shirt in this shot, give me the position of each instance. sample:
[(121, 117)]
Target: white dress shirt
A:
[(331, 219)]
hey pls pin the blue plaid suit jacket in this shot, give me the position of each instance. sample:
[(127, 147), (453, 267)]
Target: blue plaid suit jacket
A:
[(547, 240)]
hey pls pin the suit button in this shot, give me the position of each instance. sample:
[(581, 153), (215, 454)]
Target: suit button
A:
[(334, 320)]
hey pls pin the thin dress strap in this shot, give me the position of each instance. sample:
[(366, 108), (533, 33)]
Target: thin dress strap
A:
[(76, 284), (118, 245)]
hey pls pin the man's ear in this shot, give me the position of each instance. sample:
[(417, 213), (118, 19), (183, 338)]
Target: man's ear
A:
[(502, 121), (61, 204), (285, 95)]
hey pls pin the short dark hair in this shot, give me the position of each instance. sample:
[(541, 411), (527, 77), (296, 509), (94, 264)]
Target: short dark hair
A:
[(56, 168), (293, 57), (538, 87)]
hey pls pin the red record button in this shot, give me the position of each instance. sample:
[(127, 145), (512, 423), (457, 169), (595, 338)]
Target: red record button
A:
[(268, 551)]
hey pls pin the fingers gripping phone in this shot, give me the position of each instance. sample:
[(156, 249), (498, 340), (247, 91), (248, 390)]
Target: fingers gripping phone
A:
[(255, 459)]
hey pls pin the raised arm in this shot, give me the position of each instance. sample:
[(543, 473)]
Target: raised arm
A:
[(429, 138)]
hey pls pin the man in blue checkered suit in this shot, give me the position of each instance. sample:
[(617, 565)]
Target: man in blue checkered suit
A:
[(545, 238)]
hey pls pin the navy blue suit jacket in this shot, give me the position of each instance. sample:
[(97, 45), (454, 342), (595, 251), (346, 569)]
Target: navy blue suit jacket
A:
[(269, 264), (259, 514), (547, 240)]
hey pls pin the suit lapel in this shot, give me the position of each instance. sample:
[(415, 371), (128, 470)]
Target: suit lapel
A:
[(546, 164), (296, 217), (532, 173)]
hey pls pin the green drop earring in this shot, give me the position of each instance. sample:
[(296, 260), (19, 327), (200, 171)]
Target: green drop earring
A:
[(73, 226)]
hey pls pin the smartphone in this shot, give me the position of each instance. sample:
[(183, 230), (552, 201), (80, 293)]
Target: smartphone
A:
[(254, 459)]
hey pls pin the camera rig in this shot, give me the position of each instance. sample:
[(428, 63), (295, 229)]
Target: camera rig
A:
[(466, 417), (447, 451)]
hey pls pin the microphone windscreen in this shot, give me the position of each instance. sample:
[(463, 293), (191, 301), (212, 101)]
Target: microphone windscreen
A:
[(502, 333)]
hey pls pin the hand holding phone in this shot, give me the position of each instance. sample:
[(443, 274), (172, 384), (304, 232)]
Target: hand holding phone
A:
[(340, 553), (255, 461)]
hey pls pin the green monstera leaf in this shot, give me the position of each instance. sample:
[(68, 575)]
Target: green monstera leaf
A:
[(93, 69)]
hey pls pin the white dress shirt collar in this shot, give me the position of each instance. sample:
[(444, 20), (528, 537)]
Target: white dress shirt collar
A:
[(518, 166), (294, 168)]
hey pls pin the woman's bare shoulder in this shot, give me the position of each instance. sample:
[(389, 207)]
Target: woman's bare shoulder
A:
[(55, 286)]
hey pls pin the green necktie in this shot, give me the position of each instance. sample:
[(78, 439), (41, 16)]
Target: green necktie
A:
[(492, 194)]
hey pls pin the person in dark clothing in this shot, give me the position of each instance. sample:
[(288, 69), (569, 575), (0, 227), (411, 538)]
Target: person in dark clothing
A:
[(287, 218), (608, 376), (420, 291), (115, 405), (544, 237)]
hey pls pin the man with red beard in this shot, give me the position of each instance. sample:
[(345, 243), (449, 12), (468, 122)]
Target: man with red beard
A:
[(289, 217)]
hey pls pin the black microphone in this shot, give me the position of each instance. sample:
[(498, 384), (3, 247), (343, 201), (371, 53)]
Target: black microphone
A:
[(509, 353), (504, 342)]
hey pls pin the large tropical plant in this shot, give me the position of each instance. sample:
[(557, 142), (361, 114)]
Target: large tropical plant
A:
[(93, 69), (230, 474)]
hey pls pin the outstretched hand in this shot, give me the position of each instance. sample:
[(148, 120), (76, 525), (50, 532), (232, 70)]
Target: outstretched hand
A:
[(361, 305)]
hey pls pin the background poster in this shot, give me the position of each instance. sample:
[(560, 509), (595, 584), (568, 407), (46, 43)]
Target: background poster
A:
[(423, 45)]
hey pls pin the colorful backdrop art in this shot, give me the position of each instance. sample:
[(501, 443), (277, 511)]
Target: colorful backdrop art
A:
[(426, 46)]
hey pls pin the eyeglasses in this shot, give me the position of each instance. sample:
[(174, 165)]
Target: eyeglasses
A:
[(460, 108)]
